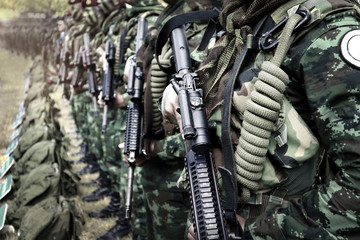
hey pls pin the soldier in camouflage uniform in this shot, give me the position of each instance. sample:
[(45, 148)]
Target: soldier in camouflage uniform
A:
[(166, 204), (296, 153), (80, 98), (96, 143), (117, 117), (106, 179)]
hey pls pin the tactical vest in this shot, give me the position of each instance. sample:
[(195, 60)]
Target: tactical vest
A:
[(294, 153)]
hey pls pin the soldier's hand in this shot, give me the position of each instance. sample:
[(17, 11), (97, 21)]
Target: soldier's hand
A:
[(139, 160), (100, 100), (191, 233), (169, 106), (121, 146), (127, 69), (70, 74), (119, 100)]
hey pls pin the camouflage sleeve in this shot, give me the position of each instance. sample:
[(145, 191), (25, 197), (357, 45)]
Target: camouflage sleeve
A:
[(332, 210), (170, 148)]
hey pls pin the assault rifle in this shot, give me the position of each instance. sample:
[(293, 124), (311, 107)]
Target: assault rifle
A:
[(90, 71), (135, 117), (108, 77), (78, 71), (64, 64), (207, 213)]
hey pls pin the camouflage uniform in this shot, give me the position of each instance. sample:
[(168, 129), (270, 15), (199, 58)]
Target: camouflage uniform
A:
[(297, 197), (167, 204), (117, 123)]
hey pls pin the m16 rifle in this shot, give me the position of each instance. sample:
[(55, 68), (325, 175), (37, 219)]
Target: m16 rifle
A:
[(64, 64), (90, 71), (78, 71), (108, 77), (134, 120), (207, 213)]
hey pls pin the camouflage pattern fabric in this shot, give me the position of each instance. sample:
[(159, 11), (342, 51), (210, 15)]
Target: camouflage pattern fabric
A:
[(172, 205), (330, 103), (325, 96), (166, 204), (112, 156), (95, 143), (80, 113), (140, 220)]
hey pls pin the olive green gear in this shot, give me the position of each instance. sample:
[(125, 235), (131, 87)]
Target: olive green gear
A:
[(90, 16), (106, 6), (158, 84), (259, 118), (77, 12)]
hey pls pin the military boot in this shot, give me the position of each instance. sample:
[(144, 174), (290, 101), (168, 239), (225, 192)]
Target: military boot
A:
[(87, 158), (98, 194), (91, 183), (102, 178), (92, 166), (122, 228), (103, 191), (111, 210), (81, 152)]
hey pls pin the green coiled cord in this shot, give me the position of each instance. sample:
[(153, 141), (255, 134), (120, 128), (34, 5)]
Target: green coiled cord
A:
[(261, 115)]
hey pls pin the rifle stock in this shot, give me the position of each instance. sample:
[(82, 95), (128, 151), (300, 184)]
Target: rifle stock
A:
[(134, 118), (207, 213)]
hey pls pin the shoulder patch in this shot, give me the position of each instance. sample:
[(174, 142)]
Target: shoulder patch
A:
[(350, 48)]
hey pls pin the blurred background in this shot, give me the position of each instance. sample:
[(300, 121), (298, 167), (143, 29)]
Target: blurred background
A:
[(29, 30), (21, 21)]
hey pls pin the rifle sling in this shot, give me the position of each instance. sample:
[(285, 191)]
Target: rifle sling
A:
[(179, 20)]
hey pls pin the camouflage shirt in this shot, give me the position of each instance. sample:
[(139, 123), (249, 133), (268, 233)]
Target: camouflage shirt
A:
[(324, 89)]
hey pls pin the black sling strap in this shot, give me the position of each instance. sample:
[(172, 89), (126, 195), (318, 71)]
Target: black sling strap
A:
[(228, 172), (177, 21)]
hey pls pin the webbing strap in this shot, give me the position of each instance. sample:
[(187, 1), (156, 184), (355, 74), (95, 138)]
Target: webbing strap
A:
[(122, 44), (209, 32), (228, 172), (177, 21)]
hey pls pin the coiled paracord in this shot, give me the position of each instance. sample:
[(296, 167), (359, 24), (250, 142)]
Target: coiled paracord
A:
[(117, 53), (261, 115), (158, 84)]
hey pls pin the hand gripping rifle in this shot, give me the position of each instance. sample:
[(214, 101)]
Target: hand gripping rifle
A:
[(135, 117), (78, 71), (108, 77), (207, 214), (90, 71)]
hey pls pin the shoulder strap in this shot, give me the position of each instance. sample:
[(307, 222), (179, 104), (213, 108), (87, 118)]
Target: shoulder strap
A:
[(177, 21)]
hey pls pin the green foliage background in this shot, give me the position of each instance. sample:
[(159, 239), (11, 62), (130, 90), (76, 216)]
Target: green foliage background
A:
[(47, 6)]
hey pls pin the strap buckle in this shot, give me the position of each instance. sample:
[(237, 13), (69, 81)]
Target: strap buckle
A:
[(268, 41)]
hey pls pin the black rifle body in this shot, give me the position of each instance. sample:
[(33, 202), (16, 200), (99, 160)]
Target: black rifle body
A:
[(108, 78), (64, 64), (207, 214), (135, 118), (78, 71), (90, 71)]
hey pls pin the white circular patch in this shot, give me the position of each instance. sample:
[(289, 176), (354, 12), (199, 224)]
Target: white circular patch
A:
[(350, 47)]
